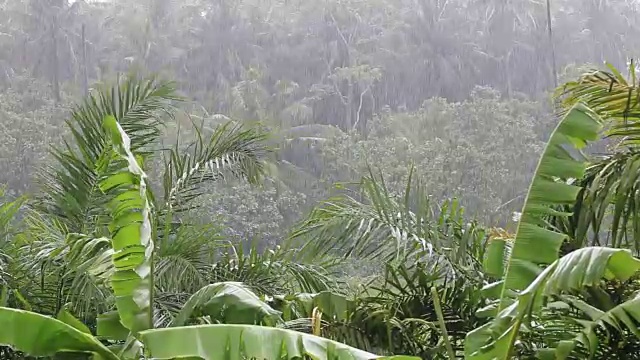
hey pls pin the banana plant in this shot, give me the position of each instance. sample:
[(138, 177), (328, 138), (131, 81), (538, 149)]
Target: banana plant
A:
[(525, 264), (573, 273), (131, 252)]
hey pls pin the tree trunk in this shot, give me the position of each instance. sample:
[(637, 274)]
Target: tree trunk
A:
[(55, 71), (85, 77), (507, 75), (552, 49), (349, 108)]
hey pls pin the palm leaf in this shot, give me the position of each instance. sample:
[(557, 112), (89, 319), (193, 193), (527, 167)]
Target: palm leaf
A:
[(381, 226), (231, 149), (184, 258), (624, 316), (610, 183), (8, 212), (54, 268), (609, 203), (607, 93), (270, 272), (70, 187)]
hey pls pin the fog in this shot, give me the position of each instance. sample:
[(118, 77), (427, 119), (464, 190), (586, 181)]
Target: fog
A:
[(459, 89)]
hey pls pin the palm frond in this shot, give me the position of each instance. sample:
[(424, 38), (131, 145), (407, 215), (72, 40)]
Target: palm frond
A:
[(8, 212), (269, 272), (167, 306), (183, 258), (607, 93), (231, 149), (386, 227), (598, 327), (70, 185), (140, 106), (405, 302), (604, 210), (58, 267)]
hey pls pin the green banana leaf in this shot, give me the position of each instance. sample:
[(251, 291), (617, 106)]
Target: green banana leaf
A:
[(236, 342), (497, 252), (131, 232), (301, 305), (229, 303), (66, 317), (109, 327), (570, 274), (39, 335), (535, 244)]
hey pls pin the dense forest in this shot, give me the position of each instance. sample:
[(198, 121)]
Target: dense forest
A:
[(231, 179), (339, 84)]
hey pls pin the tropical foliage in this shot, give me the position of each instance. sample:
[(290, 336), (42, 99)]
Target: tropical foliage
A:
[(166, 287), (124, 259), (149, 225)]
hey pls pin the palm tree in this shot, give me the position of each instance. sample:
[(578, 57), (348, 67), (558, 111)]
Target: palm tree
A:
[(128, 228), (605, 209), (413, 246), (63, 248)]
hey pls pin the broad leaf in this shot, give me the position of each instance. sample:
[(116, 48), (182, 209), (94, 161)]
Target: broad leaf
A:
[(582, 268), (236, 342), (131, 233), (332, 305), (66, 317), (534, 243), (109, 327), (227, 302), (39, 335), (497, 252)]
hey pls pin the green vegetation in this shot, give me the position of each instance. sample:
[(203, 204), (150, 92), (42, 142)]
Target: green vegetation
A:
[(106, 262), (331, 179)]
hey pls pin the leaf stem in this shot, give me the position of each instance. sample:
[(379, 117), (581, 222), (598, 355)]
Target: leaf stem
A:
[(443, 327)]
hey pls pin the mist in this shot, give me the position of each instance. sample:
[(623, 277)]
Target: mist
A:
[(460, 90)]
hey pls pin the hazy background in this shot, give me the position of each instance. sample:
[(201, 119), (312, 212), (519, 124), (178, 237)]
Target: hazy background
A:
[(459, 88)]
